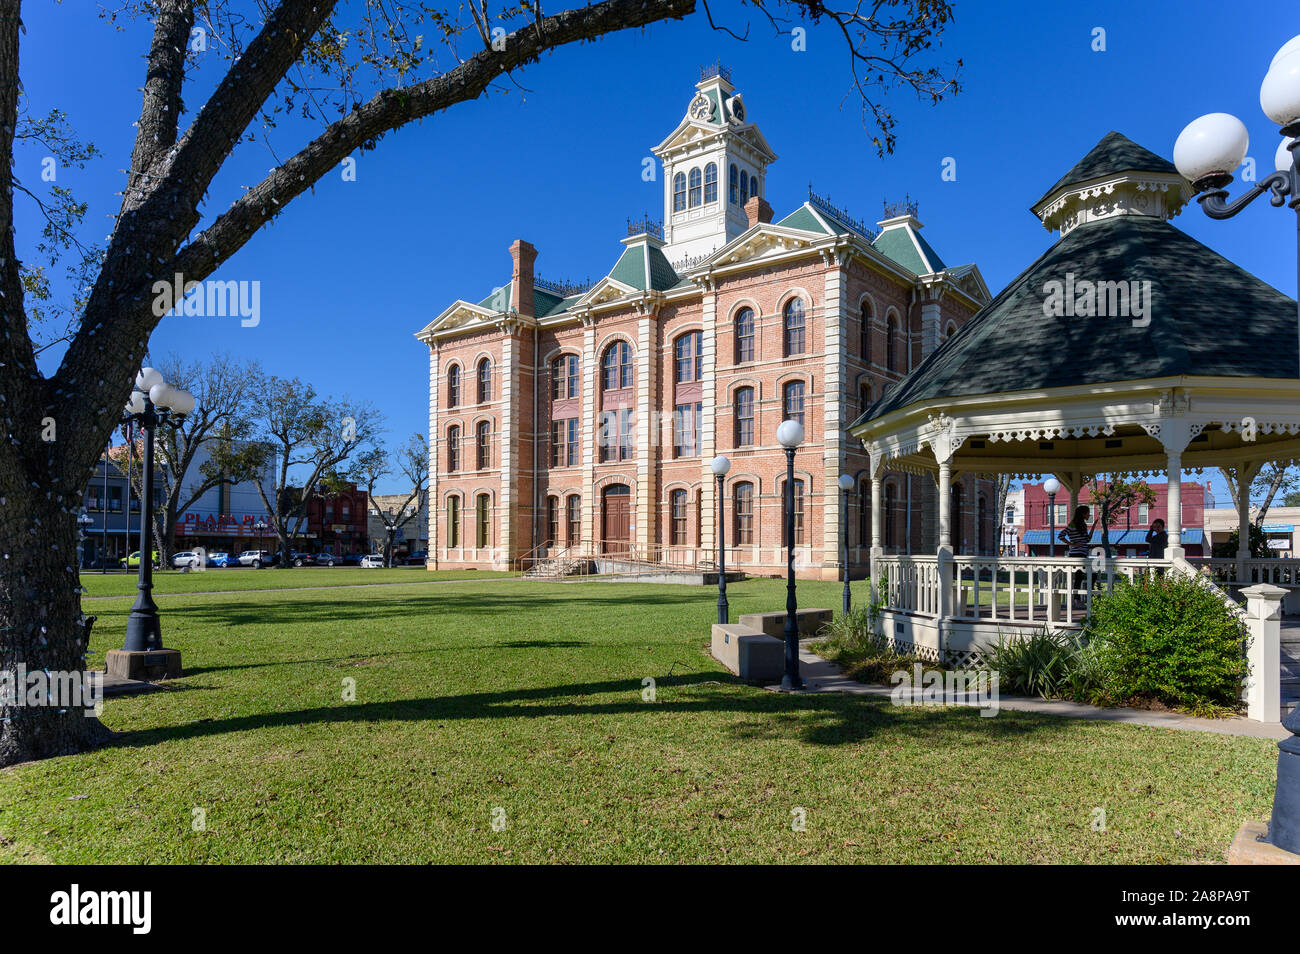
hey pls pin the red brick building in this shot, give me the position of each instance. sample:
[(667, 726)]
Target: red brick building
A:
[(339, 522), (1128, 533), (586, 418)]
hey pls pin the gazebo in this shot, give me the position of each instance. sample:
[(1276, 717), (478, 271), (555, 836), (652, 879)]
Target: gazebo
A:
[(1128, 348)]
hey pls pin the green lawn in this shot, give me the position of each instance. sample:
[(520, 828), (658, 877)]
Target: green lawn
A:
[(527, 697), (243, 578)]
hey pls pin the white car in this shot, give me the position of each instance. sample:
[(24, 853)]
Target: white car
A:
[(372, 562), (254, 558), (194, 559)]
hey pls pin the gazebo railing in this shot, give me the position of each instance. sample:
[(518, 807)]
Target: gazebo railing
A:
[(1031, 590), (1225, 572)]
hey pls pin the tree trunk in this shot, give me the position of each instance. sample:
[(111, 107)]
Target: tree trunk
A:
[(40, 617)]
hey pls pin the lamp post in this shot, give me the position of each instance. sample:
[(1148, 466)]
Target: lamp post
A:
[(153, 402), (790, 436), (1052, 485), (720, 465), (847, 483), (1206, 153)]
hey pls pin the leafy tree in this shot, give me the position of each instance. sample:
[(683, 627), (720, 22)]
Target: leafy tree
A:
[(220, 424), (412, 464), (1112, 499), (302, 440), (1259, 549), (362, 68)]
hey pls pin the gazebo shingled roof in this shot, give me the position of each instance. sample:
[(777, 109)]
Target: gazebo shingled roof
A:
[(1207, 316)]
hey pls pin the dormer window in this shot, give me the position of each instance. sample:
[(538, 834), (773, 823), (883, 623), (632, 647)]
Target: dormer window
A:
[(679, 192), (694, 192), (711, 183)]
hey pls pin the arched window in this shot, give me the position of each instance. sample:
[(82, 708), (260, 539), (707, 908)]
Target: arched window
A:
[(453, 449), (794, 327), (679, 192), (453, 522), (798, 511), (753, 186), (744, 407), (711, 183), (573, 520), (890, 515), (484, 381), (693, 193), (453, 386), (482, 526), (744, 335), (743, 508), (616, 366), (891, 334), (564, 377), (677, 532), (792, 402), (483, 459), (864, 344), (949, 331), (733, 189), (864, 396), (689, 353), (744, 187), (552, 520)]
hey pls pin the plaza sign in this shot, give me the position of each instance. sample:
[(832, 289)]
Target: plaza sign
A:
[(191, 522)]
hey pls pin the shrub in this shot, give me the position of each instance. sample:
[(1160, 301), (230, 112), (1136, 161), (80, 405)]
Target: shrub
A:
[(852, 642), (1047, 664), (1169, 639)]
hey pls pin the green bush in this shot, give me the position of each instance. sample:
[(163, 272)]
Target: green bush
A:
[(852, 642), (1169, 639), (1047, 664)]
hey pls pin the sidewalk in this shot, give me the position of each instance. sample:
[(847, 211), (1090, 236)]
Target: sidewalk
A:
[(819, 675)]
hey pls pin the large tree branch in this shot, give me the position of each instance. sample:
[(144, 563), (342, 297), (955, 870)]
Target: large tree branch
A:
[(160, 110), (393, 108)]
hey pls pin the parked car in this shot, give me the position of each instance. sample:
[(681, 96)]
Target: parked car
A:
[(222, 559), (134, 560), (418, 558), (353, 559), (255, 558), (372, 562), (325, 559), (194, 559), (298, 558)]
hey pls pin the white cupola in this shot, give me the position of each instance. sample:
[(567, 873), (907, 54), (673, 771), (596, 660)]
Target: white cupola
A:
[(713, 163)]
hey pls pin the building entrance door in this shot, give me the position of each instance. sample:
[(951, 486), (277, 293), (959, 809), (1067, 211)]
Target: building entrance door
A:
[(616, 518)]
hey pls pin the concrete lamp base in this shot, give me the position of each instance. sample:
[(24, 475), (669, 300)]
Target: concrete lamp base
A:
[(1251, 847), (149, 666)]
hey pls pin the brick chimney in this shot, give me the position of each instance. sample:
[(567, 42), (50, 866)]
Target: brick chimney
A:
[(522, 256), (757, 210)]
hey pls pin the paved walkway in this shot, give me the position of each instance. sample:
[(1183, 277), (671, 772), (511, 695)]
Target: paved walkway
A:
[(820, 675)]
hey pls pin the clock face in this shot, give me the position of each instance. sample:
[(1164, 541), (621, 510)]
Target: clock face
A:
[(738, 109), (701, 108)]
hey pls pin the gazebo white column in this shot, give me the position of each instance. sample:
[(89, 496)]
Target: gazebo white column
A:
[(1245, 477), (877, 550), (944, 552), (1175, 433)]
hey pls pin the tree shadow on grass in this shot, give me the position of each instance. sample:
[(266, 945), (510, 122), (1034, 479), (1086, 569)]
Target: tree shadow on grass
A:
[(825, 719)]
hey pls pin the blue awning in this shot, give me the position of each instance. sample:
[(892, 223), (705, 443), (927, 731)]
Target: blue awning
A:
[(1118, 538)]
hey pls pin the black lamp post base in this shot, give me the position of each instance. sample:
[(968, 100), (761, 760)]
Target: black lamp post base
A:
[(143, 631), (791, 683), (147, 666)]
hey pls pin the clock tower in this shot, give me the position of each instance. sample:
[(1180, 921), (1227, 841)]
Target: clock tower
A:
[(713, 163)]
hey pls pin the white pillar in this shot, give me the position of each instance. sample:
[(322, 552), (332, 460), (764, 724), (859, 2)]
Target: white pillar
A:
[(1175, 505), (1264, 681), (1245, 476), (944, 552)]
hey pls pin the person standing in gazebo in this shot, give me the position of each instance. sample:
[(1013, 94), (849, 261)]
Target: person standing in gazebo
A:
[(1077, 535), (1157, 540)]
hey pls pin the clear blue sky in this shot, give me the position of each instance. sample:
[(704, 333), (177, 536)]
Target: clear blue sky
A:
[(350, 272)]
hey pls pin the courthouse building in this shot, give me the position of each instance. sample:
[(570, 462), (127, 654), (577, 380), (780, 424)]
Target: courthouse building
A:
[(582, 420)]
